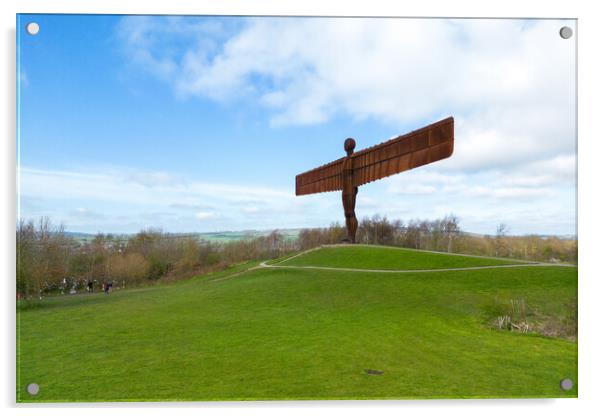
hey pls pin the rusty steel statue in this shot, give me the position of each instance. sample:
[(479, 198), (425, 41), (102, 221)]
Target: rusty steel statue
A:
[(420, 147)]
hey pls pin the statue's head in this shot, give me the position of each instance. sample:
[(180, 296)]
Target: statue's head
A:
[(349, 146)]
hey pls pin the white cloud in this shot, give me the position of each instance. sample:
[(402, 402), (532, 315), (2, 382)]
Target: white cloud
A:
[(414, 188), (202, 215), (126, 206), (506, 193), (509, 83), (532, 181), (152, 179), (86, 213)]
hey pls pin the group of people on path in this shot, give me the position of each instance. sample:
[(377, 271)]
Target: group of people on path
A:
[(106, 286)]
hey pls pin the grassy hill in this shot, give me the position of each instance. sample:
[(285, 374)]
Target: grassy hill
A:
[(389, 258), (275, 333)]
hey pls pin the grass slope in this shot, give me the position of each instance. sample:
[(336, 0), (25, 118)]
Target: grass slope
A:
[(296, 334), (388, 258)]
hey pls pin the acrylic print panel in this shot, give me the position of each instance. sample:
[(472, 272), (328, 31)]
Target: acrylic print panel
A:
[(163, 254)]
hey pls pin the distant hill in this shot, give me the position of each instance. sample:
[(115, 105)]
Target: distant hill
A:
[(290, 234)]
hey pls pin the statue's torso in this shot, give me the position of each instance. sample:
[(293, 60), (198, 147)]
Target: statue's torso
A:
[(348, 176)]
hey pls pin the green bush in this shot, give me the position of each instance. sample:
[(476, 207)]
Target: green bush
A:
[(156, 268)]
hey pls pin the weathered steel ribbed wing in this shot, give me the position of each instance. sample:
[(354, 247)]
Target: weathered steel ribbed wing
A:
[(419, 147), (325, 178)]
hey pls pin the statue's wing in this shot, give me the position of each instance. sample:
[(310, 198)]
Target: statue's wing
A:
[(326, 178), (420, 147)]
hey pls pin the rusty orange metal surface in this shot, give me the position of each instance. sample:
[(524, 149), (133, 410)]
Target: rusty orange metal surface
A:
[(417, 148)]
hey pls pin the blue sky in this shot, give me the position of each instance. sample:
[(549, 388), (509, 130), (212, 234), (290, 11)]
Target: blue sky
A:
[(201, 123)]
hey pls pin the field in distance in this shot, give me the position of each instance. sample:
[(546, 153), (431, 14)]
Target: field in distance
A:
[(213, 237), (272, 333)]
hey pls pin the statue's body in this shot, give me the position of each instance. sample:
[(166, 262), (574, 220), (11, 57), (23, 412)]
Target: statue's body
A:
[(349, 191), (420, 147)]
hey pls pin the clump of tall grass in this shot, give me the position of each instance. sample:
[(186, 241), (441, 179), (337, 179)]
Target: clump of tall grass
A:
[(512, 316), (503, 322), (515, 315), (519, 309)]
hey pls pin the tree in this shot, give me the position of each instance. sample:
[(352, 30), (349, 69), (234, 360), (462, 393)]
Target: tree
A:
[(500, 234), (26, 240), (451, 228), (43, 253), (189, 259)]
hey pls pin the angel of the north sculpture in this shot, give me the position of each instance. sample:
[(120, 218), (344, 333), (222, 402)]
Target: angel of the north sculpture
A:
[(417, 148)]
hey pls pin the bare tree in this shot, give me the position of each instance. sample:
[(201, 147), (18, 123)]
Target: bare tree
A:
[(26, 239), (451, 228), (500, 234)]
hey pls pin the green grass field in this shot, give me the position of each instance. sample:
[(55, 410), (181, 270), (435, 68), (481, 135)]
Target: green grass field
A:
[(275, 333), (388, 258)]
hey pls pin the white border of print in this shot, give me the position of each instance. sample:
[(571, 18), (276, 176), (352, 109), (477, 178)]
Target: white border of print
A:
[(590, 283)]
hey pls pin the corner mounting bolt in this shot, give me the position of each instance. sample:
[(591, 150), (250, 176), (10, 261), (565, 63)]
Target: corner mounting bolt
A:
[(32, 28), (33, 389), (566, 32)]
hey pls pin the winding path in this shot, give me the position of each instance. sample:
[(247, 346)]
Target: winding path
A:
[(279, 265), (500, 266)]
